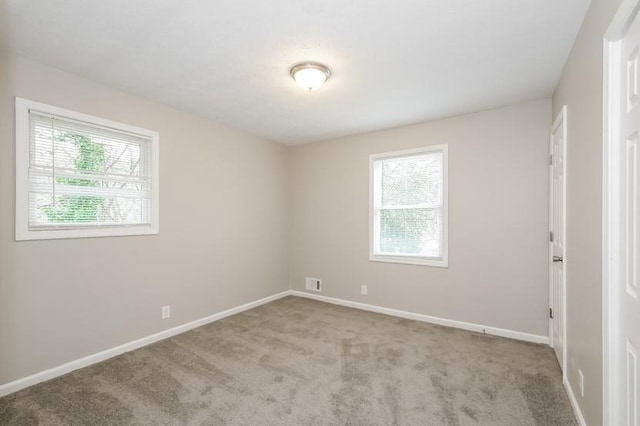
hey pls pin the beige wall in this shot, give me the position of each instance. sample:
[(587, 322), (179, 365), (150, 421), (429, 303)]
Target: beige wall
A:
[(223, 214), (498, 220), (61, 300), (580, 89)]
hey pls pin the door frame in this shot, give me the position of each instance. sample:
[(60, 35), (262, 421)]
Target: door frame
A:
[(561, 119), (611, 203)]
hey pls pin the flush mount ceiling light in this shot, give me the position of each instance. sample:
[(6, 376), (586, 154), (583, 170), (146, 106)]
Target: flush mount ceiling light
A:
[(310, 75)]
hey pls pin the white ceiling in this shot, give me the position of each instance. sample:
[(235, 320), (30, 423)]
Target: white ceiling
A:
[(393, 62)]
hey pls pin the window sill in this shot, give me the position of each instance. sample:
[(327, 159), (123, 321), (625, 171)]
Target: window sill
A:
[(420, 261), (55, 234)]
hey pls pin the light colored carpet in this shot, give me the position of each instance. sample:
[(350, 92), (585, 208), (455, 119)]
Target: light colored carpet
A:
[(301, 362)]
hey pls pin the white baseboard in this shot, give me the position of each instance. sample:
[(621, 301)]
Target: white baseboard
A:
[(51, 373), (574, 403), (518, 335), (54, 372)]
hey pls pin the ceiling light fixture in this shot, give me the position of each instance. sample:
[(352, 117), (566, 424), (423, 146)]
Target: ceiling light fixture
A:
[(310, 75)]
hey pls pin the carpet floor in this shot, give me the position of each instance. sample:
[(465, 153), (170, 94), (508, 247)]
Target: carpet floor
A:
[(301, 362)]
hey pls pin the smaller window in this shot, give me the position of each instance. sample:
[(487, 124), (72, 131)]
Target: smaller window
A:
[(408, 206), (82, 176)]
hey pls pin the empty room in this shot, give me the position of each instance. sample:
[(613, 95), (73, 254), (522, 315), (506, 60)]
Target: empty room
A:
[(320, 212)]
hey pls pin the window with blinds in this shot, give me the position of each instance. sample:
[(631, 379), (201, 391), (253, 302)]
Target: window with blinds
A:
[(82, 176), (409, 206)]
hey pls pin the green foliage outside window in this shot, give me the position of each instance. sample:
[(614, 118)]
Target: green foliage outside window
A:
[(79, 208)]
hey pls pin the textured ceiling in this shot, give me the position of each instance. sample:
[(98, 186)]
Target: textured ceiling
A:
[(393, 62)]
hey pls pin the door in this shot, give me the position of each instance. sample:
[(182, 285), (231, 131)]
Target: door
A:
[(557, 235), (626, 291)]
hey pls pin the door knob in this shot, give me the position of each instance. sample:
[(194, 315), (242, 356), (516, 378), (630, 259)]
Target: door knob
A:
[(557, 258)]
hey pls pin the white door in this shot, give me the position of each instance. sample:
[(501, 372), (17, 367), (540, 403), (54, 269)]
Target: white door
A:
[(626, 291), (557, 235)]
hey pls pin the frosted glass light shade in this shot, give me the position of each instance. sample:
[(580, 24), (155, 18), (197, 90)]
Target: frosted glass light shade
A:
[(310, 76)]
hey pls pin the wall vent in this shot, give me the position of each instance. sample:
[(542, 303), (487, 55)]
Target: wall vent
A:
[(313, 284)]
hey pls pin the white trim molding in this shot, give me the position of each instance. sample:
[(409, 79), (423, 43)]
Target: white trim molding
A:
[(479, 328), (574, 403), (86, 361)]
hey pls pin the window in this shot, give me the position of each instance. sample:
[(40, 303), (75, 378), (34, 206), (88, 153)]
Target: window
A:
[(82, 176), (409, 206)]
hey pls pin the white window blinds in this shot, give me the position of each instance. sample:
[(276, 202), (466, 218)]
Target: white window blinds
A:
[(83, 175), (408, 204)]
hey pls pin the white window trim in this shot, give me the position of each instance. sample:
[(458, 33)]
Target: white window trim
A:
[(22, 177), (441, 262)]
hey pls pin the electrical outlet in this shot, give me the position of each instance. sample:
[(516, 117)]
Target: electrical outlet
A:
[(166, 311), (363, 290), (581, 383), (313, 284)]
